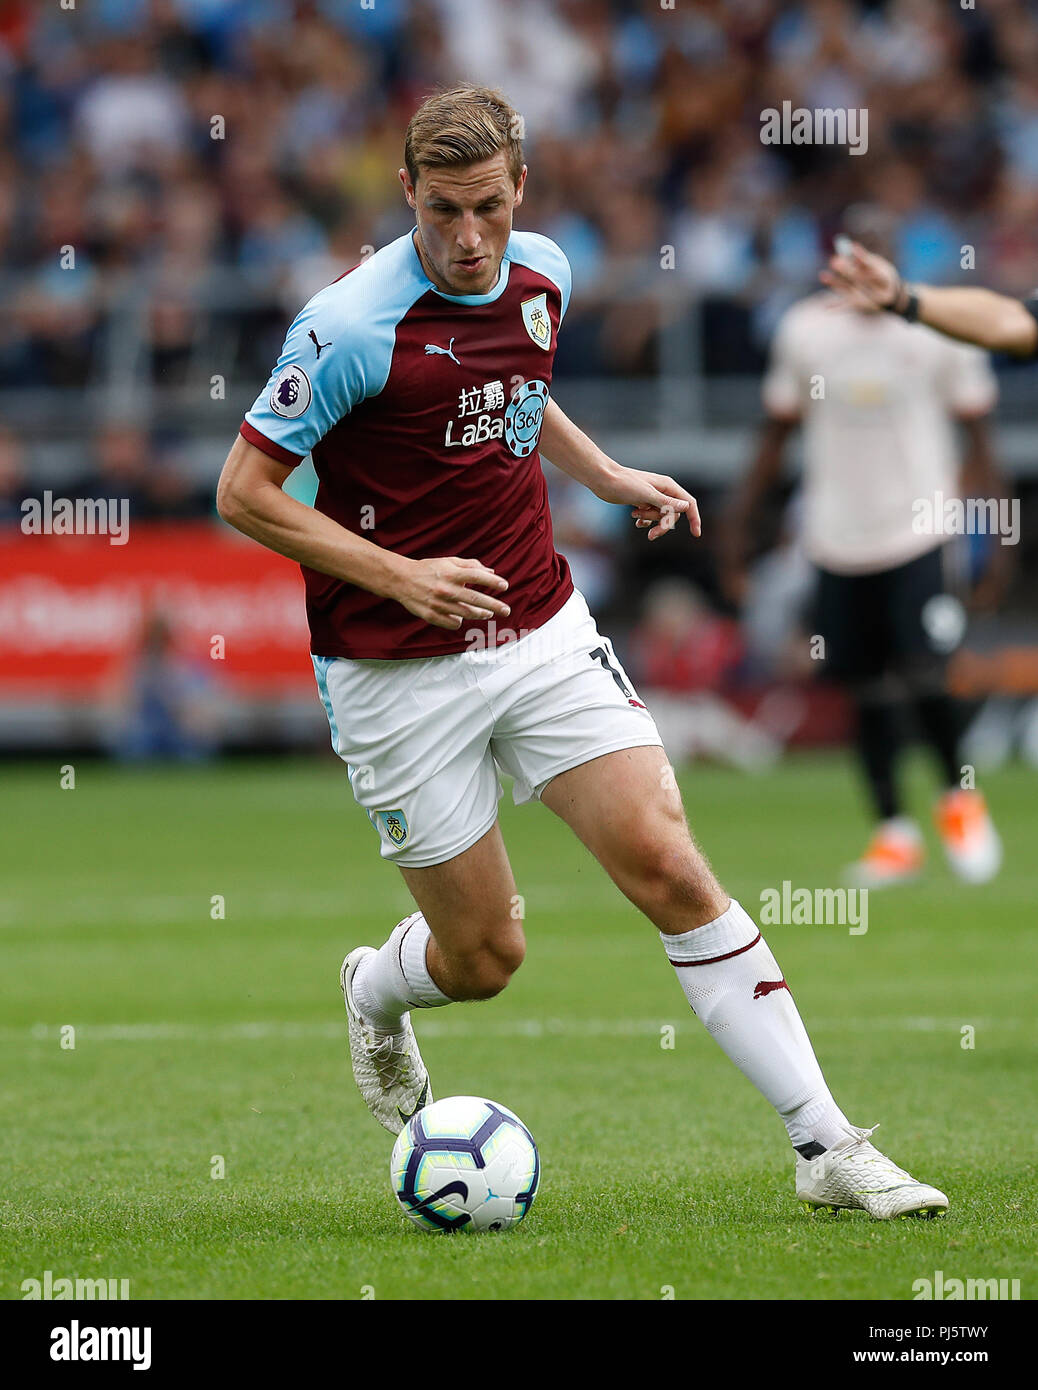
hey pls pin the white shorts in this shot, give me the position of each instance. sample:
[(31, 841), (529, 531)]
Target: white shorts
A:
[(423, 740)]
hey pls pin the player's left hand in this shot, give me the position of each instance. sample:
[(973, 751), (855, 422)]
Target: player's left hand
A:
[(658, 501)]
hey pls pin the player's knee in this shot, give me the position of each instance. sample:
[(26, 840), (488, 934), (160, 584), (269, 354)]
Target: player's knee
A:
[(487, 970), (688, 887), (674, 879)]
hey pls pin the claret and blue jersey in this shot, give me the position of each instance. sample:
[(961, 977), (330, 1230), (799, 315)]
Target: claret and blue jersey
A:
[(422, 412)]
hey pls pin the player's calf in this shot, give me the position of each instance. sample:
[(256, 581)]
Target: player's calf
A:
[(643, 842), (627, 810), (681, 893), (664, 874)]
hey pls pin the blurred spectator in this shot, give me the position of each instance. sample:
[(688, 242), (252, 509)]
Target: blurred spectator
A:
[(589, 533), (684, 658), (132, 114), (14, 482), (128, 463), (681, 644), (168, 705), (775, 603)]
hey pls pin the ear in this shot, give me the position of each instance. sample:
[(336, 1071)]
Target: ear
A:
[(519, 187), (408, 187)]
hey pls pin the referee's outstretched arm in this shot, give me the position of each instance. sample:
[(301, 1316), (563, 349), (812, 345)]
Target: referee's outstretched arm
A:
[(992, 321)]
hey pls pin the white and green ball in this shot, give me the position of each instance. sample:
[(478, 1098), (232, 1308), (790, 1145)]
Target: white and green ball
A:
[(465, 1164)]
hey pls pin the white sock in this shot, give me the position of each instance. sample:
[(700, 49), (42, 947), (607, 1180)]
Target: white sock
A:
[(396, 978), (734, 986)]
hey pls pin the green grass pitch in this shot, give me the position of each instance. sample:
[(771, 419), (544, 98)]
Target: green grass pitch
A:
[(664, 1172)]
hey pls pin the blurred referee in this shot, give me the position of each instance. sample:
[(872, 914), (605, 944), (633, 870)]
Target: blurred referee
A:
[(878, 400)]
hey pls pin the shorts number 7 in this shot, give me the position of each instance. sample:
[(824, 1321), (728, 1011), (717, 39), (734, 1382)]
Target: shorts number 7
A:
[(600, 654)]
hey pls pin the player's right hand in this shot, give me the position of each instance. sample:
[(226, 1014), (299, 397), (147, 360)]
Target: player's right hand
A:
[(445, 592), (861, 278)]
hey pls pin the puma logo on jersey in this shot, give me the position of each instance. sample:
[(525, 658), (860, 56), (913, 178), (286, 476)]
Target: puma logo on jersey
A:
[(432, 350), (317, 345), (768, 987)]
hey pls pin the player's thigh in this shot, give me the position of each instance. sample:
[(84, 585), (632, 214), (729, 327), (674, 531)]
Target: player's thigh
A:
[(849, 615), (416, 740), (470, 902), (561, 698), (626, 808), (573, 732)]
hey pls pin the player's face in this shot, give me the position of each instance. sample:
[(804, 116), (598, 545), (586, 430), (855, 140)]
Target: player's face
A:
[(464, 220)]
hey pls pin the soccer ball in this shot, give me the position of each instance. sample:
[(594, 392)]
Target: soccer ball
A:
[(465, 1164)]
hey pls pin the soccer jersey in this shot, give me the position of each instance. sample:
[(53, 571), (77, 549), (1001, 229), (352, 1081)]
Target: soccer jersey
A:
[(878, 398), (422, 412)]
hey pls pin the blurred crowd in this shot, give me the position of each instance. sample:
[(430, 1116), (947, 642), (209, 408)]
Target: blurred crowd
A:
[(171, 142)]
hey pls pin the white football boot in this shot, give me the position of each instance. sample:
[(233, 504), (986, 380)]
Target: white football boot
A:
[(853, 1174), (387, 1067)]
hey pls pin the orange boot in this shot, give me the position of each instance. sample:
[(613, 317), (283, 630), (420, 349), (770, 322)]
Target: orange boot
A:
[(971, 842), (895, 854)]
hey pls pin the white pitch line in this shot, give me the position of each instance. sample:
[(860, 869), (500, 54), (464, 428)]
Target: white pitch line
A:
[(191, 909), (388, 902), (462, 1028)]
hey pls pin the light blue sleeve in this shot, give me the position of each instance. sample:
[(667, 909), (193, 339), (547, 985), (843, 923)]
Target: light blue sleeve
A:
[(542, 254), (324, 369)]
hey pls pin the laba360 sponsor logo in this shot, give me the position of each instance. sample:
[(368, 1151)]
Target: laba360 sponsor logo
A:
[(477, 421)]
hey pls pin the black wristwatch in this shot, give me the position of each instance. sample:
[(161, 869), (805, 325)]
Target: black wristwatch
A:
[(909, 311), (1031, 305)]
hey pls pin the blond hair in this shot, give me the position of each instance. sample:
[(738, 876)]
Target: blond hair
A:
[(462, 125)]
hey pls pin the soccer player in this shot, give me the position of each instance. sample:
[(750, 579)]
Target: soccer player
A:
[(878, 400), (448, 640)]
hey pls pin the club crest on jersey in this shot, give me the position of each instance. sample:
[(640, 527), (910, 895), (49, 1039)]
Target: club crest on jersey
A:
[(394, 823), (536, 320), (291, 393)]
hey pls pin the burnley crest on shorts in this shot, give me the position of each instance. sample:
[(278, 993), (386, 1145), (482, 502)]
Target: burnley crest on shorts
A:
[(395, 825), (535, 317)]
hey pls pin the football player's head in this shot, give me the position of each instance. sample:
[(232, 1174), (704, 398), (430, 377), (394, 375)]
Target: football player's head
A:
[(464, 176), (873, 226)]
